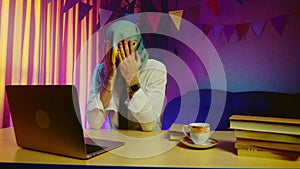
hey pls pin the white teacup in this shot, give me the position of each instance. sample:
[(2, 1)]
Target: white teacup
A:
[(199, 132)]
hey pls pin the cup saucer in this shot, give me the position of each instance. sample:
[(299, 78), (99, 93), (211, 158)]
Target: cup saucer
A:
[(208, 144)]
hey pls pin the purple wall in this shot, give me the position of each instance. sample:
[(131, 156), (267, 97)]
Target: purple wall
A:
[(268, 63)]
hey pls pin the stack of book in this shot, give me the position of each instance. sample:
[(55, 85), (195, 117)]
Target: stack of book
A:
[(266, 137)]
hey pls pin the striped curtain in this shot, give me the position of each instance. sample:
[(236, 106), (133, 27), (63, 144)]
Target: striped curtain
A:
[(40, 44)]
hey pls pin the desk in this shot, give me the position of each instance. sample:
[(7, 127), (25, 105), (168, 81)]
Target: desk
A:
[(223, 155)]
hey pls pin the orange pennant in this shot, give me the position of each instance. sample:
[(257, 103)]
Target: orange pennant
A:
[(176, 17)]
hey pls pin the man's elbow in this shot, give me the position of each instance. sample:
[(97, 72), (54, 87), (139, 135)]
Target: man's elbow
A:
[(94, 125), (94, 119), (147, 127)]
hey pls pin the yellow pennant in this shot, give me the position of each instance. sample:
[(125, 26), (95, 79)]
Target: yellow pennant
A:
[(176, 17)]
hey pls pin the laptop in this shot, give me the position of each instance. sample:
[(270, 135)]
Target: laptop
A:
[(47, 118)]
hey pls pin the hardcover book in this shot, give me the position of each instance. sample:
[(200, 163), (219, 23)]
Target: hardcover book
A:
[(269, 144), (176, 132), (268, 153), (265, 124), (267, 136)]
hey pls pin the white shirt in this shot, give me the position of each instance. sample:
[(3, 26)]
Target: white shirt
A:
[(145, 106)]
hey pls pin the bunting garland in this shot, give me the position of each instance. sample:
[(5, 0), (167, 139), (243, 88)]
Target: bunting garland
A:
[(258, 27), (242, 29), (279, 23), (176, 17), (104, 16), (193, 12), (217, 29), (84, 10), (154, 19), (228, 30), (206, 28), (69, 4), (214, 6)]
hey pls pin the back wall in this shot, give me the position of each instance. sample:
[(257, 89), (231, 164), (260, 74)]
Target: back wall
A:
[(265, 62)]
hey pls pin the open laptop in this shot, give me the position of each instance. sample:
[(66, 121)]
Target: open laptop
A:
[(47, 118)]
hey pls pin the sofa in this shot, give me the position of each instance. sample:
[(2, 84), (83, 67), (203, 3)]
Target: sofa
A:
[(258, 103)]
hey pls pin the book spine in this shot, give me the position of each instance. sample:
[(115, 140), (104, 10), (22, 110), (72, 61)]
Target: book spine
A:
[(266, 136), (270, 144), (265, 127), (267, 154)]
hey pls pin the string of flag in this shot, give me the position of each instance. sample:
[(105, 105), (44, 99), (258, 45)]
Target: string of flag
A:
[(278, 22)]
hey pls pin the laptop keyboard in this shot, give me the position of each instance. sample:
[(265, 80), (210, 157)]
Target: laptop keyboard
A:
[(93, 148)]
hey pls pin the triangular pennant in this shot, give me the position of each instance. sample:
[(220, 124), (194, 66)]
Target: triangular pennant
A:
[(214, 6), (84, 10), (69, 4), (279, 23), (228, 30), (258, 27), (217, 30), (96, 27), (176, 17), (195, 12), (205, 28), (298, 14), (242, 29), (240, 2), (104, 16), (131, 17), (154, 19)]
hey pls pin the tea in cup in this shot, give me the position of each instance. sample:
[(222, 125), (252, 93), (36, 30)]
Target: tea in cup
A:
[(199, 133)]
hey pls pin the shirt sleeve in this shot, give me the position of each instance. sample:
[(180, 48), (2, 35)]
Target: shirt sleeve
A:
[(95, 110), (147, 103)]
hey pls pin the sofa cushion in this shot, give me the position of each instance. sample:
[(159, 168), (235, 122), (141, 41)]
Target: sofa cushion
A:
[(264, 104), (257, 103), (186, 109)]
